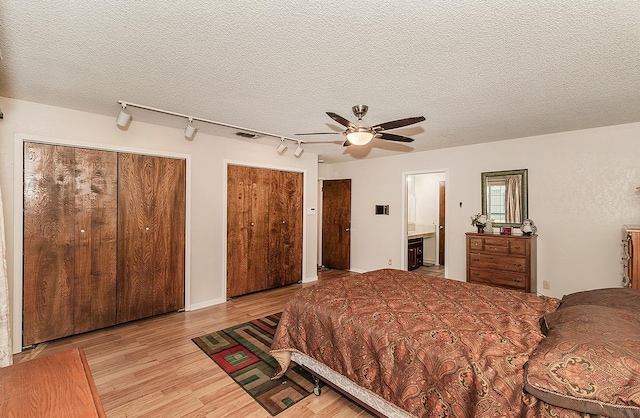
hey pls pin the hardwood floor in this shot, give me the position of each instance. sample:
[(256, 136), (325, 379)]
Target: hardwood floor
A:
[(431, 270), (151, 368)]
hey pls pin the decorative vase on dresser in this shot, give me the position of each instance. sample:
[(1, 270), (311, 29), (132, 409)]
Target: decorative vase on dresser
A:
[(502, 260)]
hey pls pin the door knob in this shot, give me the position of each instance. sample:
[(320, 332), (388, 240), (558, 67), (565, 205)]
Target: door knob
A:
[(347, 229), (441, 227)]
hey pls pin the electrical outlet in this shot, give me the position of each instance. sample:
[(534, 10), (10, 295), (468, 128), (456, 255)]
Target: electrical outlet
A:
[(390, 262), (546, 284)]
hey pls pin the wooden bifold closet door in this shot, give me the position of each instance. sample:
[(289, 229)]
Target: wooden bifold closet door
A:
[(264, 229), (70, 206), (151, 228), (104, 239)]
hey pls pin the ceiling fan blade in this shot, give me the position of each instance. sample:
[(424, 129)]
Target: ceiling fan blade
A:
[(393, 137), (342, 121), (321, 133), (398, 123)]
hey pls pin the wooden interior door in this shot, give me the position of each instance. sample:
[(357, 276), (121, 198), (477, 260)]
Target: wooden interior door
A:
[(336, 224), (285, 228), (151, 202), (69, 241), (247, 229), (441, 222)]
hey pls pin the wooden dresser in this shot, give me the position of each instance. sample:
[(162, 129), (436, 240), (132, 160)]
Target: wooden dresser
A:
[(59, 385), (502, 260)]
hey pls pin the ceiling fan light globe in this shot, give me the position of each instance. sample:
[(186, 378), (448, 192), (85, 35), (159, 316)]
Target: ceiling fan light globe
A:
[(360, 138)]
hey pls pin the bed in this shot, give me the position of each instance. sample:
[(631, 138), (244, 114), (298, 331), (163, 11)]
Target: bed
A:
[(408, 344)]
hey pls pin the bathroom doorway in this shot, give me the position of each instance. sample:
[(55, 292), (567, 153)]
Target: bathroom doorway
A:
[(426, 222)]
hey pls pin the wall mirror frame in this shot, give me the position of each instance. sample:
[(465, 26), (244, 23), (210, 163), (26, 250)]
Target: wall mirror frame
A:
[(505, 197)]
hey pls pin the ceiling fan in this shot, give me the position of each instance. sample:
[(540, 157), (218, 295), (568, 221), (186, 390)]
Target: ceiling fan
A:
[(360, 134)]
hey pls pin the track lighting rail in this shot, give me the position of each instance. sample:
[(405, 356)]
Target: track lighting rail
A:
[(213, 122)]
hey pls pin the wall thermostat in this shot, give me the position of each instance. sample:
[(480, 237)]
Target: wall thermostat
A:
[(382, 209)]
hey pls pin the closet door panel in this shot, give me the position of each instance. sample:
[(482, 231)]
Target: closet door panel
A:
[(285, 220), (95, 239), (168, 218), (247, 229), (135, 201), (151, 220), (48, 242)]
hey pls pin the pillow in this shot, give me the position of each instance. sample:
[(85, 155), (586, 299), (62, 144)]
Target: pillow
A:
[(589, 362), (616, 297)]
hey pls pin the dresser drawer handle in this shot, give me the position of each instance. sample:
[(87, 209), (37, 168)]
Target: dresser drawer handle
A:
[(476, 274), (517, 265), (517, 280), (475, 259), (517, 247)]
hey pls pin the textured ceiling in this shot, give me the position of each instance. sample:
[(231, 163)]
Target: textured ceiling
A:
[(478, 71)]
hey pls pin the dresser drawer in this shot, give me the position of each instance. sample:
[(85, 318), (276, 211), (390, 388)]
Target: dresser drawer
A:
[(518, 248), (476, 244), (499, 278), (499, 242), (496, 249), (486, 261)]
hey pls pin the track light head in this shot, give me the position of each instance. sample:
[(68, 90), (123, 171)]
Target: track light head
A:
[(299, 150), (124, 117), (190, 130), (282, 148)]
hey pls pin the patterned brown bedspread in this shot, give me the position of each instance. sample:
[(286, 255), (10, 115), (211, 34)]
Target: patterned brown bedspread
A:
[(432, 346)]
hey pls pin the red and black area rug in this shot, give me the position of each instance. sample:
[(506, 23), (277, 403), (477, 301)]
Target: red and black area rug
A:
[(242, 352)]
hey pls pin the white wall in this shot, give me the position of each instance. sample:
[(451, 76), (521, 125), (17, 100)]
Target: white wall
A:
[(581, 190), (207, 158)]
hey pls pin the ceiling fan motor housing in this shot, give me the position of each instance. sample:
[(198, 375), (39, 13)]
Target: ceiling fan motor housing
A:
[(360, 110)]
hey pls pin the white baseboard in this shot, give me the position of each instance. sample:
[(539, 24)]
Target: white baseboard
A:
[(206, 304), (310, 279)]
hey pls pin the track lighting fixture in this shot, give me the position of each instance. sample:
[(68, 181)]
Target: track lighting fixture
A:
[(124, 116), (190, 130), (298, 152), (282, 148)]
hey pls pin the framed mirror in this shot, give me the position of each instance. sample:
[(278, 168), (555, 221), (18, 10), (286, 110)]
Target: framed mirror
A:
[(504, 197)]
